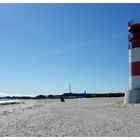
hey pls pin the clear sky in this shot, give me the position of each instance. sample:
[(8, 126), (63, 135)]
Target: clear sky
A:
[(43, 47)]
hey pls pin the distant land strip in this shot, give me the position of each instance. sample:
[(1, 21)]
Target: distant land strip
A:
[(67, 96)]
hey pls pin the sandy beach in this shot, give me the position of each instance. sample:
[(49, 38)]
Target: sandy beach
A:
[(75, 117)]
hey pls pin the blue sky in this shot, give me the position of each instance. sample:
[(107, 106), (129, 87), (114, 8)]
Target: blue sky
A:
[(43, 47)]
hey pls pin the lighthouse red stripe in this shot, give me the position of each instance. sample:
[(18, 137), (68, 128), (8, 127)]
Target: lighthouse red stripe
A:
[(133, 46), (136, 43), (135, 69)]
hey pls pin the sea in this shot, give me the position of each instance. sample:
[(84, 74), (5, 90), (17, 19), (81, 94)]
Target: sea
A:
[(4, 101)]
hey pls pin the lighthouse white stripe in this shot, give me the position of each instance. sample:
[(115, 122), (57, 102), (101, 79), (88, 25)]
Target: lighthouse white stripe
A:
[(134, 55), (134, 82)]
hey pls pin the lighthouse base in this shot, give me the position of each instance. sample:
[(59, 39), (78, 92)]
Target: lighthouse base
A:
[(132, 96)]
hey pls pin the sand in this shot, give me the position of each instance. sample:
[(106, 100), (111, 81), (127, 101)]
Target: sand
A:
[(76, 117)]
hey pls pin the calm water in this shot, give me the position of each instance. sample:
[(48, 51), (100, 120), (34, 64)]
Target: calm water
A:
[(7, 100)]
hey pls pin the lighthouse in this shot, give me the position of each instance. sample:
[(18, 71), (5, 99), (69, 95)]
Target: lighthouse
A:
[(133, 94)]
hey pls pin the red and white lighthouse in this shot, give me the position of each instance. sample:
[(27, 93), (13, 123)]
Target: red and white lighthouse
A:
[(133, 94)]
